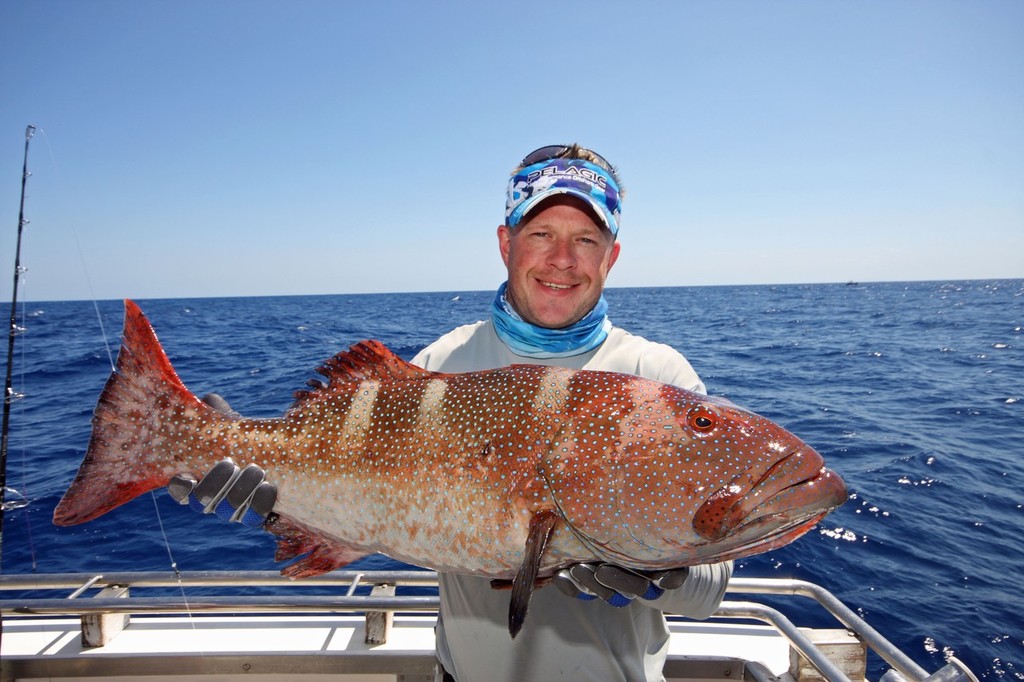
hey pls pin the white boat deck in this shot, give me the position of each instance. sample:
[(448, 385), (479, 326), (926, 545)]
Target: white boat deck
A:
[(226, 648)]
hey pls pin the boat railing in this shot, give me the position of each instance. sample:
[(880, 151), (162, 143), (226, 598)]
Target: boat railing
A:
[(348, 582), (375, 592)]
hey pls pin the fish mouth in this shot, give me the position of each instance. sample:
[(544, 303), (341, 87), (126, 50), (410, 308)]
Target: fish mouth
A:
[(791, 496), (759, 541)]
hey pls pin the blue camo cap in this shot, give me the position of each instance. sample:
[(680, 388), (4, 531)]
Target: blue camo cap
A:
[(575, 177)]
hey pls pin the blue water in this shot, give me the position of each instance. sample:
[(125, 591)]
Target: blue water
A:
[(913, 392)]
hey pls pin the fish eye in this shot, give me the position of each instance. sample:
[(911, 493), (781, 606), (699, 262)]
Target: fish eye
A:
[(702, 420)]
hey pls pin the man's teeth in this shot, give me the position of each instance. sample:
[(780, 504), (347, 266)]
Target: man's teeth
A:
[(552, 285)]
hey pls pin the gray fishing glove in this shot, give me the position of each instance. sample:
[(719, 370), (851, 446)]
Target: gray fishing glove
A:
[(233, 494), (616, 585)]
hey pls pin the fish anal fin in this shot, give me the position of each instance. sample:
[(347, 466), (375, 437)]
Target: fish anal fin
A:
[(542, 524), (316, 554), (323, 559)]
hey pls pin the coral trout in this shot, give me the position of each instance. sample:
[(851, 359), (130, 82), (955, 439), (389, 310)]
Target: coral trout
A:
[(512, 473)]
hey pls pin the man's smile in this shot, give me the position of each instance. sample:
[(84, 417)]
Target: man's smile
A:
[(553, 285)]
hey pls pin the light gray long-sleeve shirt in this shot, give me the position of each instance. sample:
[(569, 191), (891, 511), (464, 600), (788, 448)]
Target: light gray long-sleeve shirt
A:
[(563, 638)]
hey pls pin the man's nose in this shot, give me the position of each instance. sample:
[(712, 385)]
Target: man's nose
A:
[(562, 254)]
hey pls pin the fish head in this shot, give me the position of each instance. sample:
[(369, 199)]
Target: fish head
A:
[(690, 479)]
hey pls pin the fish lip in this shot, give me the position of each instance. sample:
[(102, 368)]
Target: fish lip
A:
[(737, 503), (747, 537), (778, 537), (802, 516)]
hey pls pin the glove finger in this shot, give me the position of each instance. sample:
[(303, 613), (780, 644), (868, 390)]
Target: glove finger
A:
[(567, 586), (238, 493), (263, 499), (180, 487), (670, 580), (584, 576), (244, 486), (260, 505), (217, 402), (215, 484), (622, 580)]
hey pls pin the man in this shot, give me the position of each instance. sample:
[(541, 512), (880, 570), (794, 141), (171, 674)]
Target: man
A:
[(558, 243)]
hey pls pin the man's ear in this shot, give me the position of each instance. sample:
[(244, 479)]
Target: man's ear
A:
[(504, 242), (614, 256)]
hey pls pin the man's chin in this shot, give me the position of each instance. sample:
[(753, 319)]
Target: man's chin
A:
[(557, 318), (553, 308)]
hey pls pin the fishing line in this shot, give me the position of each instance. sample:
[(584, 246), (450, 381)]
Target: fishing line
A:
[(81, 258), (92, 295), (167, 542), (113, 368), (24, 501), (110, 357), (174, 565)]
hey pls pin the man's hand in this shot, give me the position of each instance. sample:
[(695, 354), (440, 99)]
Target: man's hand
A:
[(236, 495), (616, 585)]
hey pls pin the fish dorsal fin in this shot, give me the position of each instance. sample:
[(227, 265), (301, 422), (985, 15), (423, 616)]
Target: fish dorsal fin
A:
[(369, 360), (364, 361)]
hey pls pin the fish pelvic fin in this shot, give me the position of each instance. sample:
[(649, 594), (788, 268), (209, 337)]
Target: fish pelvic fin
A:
[(541, 526), (364, 361), (124, 458), (318, 554)]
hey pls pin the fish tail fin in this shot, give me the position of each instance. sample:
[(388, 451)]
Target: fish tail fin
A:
[(127, 456)]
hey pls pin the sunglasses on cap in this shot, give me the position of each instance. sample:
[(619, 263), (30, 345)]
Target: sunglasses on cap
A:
[(550, 170), (558, 151)]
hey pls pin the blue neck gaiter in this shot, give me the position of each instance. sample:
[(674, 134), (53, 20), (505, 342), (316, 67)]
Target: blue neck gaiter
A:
[(531, 341)]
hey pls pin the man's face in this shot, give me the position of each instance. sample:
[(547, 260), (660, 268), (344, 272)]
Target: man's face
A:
[(557, 263)]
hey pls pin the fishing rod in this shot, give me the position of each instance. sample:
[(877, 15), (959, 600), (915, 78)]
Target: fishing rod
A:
[(9, 395)]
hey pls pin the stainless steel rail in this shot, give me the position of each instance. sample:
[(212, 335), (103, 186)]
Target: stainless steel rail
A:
[(79, 584), (879, 644), (785, 627), (53, 581), (260, 604), (351, 580)]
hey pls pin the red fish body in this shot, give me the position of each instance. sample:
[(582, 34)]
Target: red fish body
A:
[(508, 473)]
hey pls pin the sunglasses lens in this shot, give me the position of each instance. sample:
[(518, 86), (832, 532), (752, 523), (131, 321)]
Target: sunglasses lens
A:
[(555, 151), (552, 151)]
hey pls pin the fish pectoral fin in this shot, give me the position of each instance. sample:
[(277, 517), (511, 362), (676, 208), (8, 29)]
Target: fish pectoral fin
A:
[(318, 554), (541, 526)]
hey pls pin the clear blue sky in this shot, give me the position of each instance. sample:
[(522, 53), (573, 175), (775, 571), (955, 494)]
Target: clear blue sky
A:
[(209, 148)]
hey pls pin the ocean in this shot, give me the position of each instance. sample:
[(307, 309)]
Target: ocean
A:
[(913, 392)]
